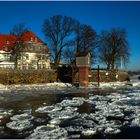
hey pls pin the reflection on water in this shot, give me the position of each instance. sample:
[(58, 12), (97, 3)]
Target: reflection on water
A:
[(85, 108)]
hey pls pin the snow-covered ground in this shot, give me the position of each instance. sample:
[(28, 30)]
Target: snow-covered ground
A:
[(55, 85), (59, 85)]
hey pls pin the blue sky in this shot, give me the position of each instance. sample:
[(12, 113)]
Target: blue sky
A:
[(100, 15)]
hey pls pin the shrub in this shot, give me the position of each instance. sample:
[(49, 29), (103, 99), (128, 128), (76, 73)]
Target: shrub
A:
[(27, 76)]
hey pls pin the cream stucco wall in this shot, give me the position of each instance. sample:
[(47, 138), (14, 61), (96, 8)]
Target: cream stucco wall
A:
[(31, 60), (5, 56)]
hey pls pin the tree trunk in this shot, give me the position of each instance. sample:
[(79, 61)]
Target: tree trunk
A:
[(108, 66), (16, 61), (112, 65), (56, 60)]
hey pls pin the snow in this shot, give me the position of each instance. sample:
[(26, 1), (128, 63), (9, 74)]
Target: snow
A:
[(60, 85), (109, 130), (22, 117), (48, 132), (48, 109), (4, 113), (55, 85), (74, 102), (18, 87), (19, 125), (89, 132), (20, 122)]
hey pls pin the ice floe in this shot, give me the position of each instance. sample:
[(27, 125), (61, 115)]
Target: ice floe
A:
[(21, 117), (89, 132), (74, 102), (5, 112), (48, 109), (48, 132), (20, 122), (110, 130), (19, 125)]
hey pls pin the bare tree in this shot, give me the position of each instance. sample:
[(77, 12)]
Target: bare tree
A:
[(19, 29), (69, 54), (19, 45), (58, 30), (86, 39), (85, 42), (113, 47)]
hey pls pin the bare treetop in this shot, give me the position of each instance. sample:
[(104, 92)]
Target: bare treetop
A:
[(19, 29)]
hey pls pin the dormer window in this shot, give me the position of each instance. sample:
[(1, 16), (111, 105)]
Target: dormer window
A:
[(5, 48), (39, 47), (33, 47), (27, 56), (7, 42), (31, 39), (36, 39)]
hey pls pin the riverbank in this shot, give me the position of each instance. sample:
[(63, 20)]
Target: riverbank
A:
[(62, 86)]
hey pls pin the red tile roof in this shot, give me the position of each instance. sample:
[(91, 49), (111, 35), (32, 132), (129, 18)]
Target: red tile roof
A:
[(4, 39), (26, 38)]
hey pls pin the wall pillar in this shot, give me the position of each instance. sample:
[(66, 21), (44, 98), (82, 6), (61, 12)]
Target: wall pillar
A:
[(83, 76)]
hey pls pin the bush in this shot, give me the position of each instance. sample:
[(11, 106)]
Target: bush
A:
[(123, 76), (108, 76), (27, 76)]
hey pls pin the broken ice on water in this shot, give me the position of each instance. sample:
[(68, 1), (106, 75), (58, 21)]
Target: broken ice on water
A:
[(5, 112), (48, 132), (20, 122), (108, 115)]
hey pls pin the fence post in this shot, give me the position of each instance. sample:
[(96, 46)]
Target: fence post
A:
[(98, 76), (72, 73)]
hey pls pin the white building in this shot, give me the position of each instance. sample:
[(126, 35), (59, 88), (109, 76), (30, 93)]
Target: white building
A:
[(34, 54)]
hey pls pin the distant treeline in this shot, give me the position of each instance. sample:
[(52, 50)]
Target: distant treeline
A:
[(134, 72)]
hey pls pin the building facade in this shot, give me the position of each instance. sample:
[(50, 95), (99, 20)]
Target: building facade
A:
[(34, 54)]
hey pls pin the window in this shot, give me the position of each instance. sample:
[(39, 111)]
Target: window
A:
[(38, 57), (43, 57), (7, 42), (27, 56), (6, 57), (39, 47), (44, 66), (24, 66), (36, 39), (31, 39), (39, 66), (32, 47), (5, 48), (29, 66)]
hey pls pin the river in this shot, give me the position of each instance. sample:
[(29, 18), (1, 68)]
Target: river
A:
[(71, 113)]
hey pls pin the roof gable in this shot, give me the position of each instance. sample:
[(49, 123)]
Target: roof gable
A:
[(31, 37), (7, 40)]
